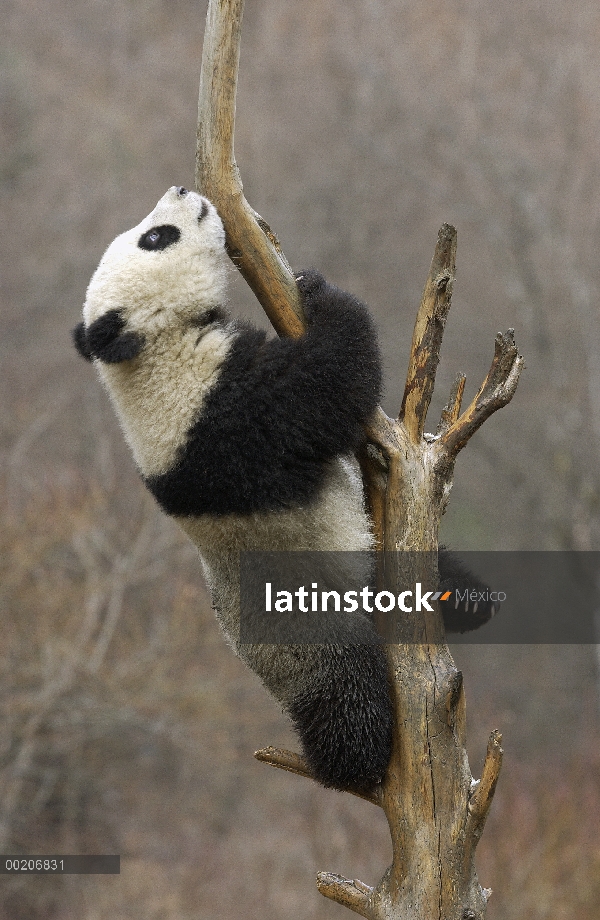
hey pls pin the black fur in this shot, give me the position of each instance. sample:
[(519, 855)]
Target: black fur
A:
[(160, 237), (203, 211), (285, 406), (80, 341), (345, 716), (106, 340), (455, 576), (217, 315)]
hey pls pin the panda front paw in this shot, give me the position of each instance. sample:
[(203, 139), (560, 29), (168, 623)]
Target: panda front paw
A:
[(311, 284), (469, 605)]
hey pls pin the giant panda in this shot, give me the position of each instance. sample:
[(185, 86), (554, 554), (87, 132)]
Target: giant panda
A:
[(248, 443)]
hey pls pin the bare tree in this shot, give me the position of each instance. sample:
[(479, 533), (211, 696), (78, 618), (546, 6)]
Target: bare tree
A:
[(435, 810)]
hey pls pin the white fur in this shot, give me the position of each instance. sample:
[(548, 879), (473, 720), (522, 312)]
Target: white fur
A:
[(335, 524), (158, 289), (157, 395)]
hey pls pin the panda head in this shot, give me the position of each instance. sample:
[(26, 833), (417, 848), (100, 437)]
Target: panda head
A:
[(167, 273)]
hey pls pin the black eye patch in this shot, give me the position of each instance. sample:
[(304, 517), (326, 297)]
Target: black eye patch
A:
[(158, 238), (106, 340)]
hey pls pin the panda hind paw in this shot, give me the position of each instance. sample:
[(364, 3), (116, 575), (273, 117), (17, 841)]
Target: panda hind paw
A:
[(462, 616), (469, 605), (345, 720)]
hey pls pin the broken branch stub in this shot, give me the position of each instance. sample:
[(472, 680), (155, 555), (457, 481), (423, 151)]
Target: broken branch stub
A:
[(294, 763), (428, 334)]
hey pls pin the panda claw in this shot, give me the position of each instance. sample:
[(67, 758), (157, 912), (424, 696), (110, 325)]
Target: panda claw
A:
[(472, 604)]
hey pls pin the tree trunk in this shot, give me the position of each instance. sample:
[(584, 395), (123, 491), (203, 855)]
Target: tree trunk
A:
[(435, 810)]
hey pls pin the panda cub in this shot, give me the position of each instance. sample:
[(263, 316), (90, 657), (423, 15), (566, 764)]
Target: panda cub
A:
[(247, 442)]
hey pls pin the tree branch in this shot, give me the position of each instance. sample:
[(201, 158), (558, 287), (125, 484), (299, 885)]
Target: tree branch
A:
[(251, 244), (428, 333), (495, 392), (483, 793), (451, 411), (347, 892), (294, 763)]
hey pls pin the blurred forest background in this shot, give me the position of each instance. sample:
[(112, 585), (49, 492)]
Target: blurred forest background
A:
[(128, 725)]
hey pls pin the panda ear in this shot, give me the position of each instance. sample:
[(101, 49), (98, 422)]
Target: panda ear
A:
[(123, 348), (107, 340), (79, 336)]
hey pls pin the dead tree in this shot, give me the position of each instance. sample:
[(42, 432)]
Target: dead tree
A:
[(435, 810)]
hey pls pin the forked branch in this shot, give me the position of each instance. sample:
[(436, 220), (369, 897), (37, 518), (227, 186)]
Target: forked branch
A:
[(496, 391)]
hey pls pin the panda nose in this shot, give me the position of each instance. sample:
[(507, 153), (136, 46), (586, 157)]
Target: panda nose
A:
[(181, 191)]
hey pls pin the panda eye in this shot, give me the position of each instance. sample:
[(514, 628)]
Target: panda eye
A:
[(158, 238)]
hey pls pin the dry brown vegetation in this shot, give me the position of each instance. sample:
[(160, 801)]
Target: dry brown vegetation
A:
[(128, 726)]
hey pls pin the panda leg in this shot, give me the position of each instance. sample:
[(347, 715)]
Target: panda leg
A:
[(462, 615), (344, 717), (343, 711)]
